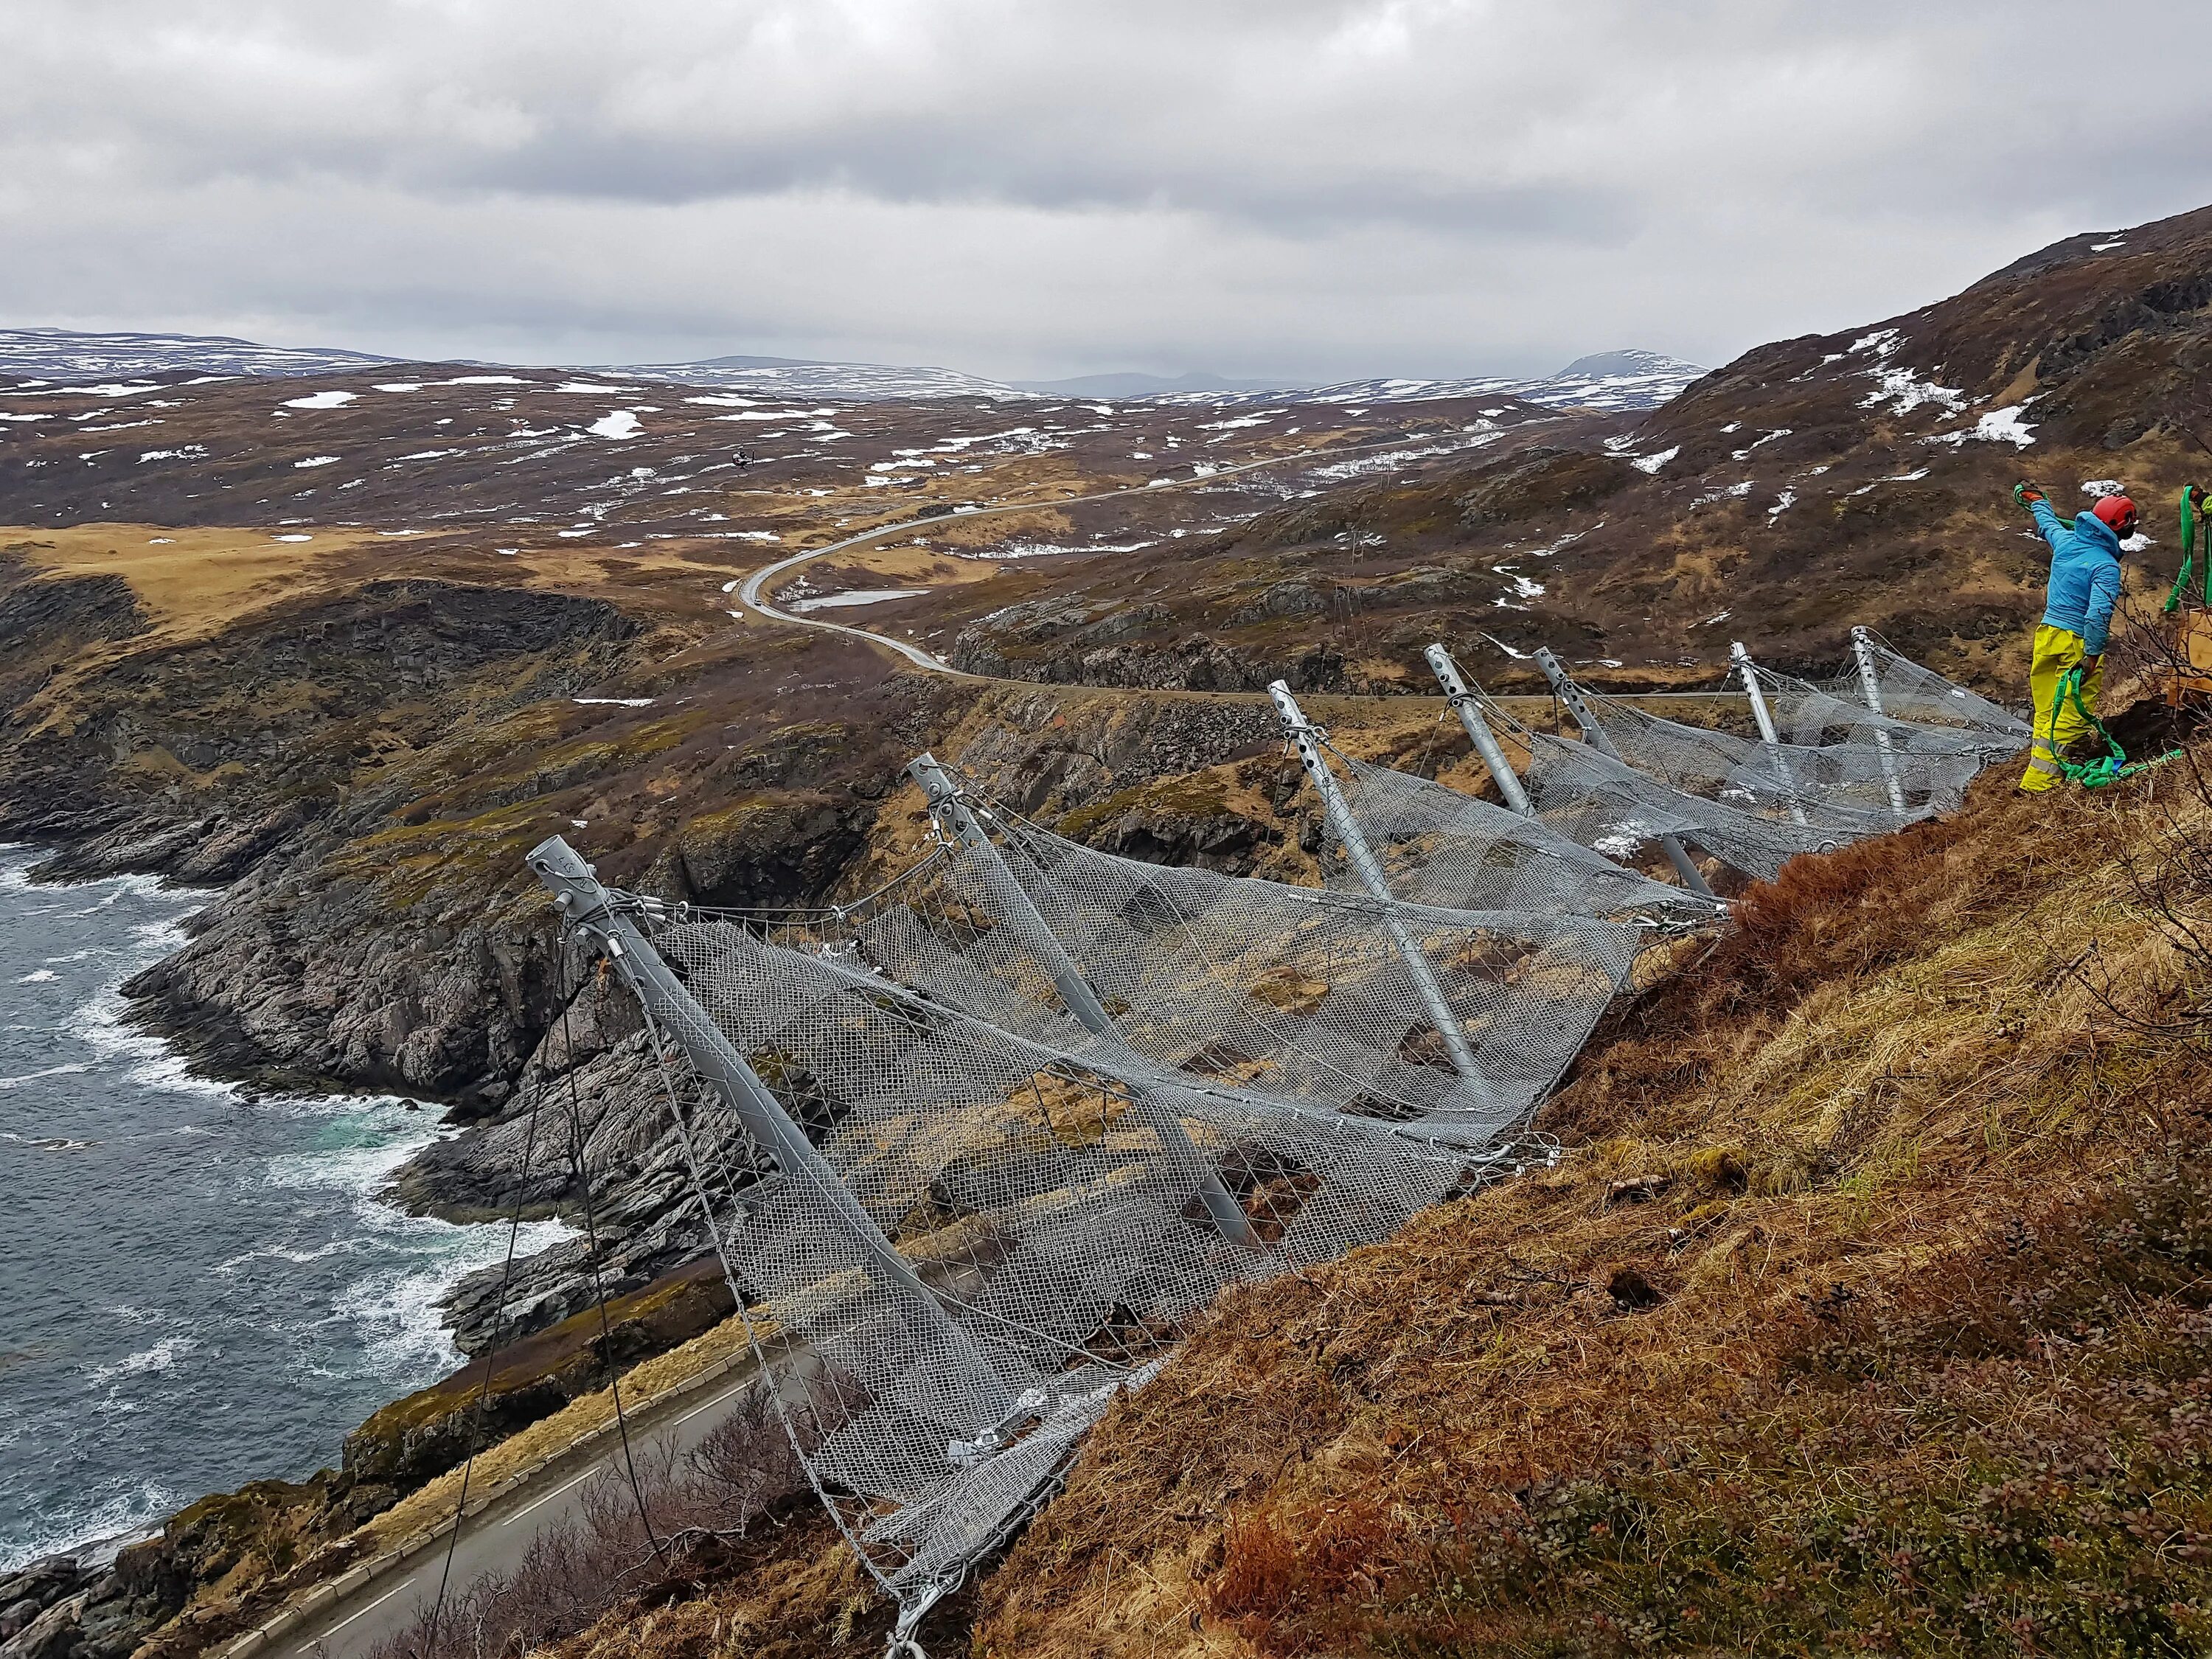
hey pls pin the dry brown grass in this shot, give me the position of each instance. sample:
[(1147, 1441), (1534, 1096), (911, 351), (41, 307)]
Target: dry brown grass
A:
[(432, 1503), (1885, 1066), (902, 564), (793, 1594), (1861, 1216), (191, 583)]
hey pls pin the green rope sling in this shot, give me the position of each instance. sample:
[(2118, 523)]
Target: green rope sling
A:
[(2113, 764), (2190, 495)]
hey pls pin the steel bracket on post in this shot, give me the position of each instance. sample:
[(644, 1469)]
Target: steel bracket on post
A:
[(1468, 707), (1767, 734), (1307, 741), (1870, 684), (1593, 734)]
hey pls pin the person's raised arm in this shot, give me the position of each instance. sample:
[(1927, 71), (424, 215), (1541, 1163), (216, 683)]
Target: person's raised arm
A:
[(2032, 497)]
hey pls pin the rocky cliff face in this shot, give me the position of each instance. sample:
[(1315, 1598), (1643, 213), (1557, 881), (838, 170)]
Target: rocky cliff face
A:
[(361, 747)]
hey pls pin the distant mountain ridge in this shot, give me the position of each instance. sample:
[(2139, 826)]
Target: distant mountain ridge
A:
[(786, 378), (1635, 381), (63, 354), (1147, 385), (1628, 379)]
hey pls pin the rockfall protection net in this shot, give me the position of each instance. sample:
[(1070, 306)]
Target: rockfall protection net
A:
[(1050, 1103), (1255, 1080), (997, 1234), (1441, 847), (1915, 694), (1305, 995), (1727, 795)]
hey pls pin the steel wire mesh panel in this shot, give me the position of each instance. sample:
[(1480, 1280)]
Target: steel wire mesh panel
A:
[(1047, 1223), (1921, 696), (1842, 786), (1319, 987), (1585, 797), (1437, 846), (1811, 715), (1301, 994)]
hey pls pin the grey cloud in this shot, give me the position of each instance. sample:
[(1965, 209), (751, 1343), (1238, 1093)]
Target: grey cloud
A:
[(1405, 185)]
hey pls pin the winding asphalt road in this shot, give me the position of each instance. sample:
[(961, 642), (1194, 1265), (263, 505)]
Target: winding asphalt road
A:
[(495, 1539), (750, 590)]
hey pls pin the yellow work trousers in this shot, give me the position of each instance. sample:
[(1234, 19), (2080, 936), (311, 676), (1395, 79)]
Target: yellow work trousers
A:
[(2057, 650)]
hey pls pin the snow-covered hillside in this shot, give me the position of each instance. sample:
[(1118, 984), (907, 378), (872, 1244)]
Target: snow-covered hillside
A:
[(62, 354), (1612, 380), (65, 355), (858, 383)]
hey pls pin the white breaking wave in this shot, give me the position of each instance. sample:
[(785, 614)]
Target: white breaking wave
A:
[(159, 1357), (115, 1521), (150, 1063), (33, 1077), (393, 1312)]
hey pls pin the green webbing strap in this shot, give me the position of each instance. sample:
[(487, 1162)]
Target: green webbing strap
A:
[(2189, 554), (2111, 766)]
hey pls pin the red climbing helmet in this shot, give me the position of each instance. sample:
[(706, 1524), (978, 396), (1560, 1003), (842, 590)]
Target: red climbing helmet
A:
[(2118, 512)]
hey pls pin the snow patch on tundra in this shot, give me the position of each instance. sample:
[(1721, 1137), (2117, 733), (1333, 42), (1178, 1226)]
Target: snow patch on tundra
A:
[(1904, 392), (2004, 426)]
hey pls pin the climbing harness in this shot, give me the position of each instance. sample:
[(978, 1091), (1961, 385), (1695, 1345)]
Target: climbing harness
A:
[(2113, 764), (2192, 514)]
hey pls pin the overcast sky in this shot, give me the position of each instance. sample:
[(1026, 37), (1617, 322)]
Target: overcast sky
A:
[(1024, 188)]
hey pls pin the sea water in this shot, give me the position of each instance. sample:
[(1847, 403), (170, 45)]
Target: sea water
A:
[(198, 1286)]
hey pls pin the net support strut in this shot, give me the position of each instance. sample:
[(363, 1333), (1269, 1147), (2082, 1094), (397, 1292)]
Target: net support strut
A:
[(1468, 707), (950, 809), (1870, 683), (585, 906), (1593, 734), (1362, 859), (1767, 734)]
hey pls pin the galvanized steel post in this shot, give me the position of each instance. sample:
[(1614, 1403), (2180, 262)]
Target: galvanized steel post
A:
[(1362, 859), (585, 906), (1015, 906), (1870, 683), (1767, 735)]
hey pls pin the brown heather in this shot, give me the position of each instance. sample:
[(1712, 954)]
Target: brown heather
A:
[(1863, 1312)]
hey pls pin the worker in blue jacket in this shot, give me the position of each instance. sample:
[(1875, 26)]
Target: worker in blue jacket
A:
[(2085, 585)]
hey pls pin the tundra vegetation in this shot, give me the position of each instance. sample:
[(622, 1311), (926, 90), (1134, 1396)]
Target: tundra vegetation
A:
[(1864, 1308)]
